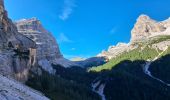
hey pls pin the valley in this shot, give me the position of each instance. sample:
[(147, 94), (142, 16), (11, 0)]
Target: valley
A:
[(32, 66)]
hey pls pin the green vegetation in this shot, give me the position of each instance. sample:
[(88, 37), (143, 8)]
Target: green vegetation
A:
[(58, 88), (123, 76), (152, 40), (158, 39), (136, 54), (143, 52), (127, 80), (76, 74), (161, 68)]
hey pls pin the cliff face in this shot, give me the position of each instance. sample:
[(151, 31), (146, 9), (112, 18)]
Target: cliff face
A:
[(47, 46), (146, 27), (48, 51), (16, 50)]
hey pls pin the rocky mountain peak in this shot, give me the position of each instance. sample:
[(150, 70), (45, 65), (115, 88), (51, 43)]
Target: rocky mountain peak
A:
[(146, 27), (143, 17)]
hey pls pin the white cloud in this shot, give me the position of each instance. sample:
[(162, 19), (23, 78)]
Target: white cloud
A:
[(67, 9), (62, 38)]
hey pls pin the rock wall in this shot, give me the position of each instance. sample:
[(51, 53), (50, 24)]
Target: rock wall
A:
[(47, 46), (146, 27), (15, 48), (48, 51)]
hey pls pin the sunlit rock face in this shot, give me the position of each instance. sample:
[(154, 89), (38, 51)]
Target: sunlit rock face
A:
[(47, 46), (114, 51), (48, 51), (146, 27), (16, 50)]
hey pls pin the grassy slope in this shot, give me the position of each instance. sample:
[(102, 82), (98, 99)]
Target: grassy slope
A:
[(136, 54)]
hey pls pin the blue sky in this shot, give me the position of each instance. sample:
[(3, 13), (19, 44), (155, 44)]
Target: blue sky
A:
[(84, 28)]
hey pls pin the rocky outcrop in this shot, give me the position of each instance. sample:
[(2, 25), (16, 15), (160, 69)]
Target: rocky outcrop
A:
[(16, 50), (146, 27), (114, 51)]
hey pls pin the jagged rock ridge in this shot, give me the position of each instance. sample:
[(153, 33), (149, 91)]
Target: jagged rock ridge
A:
[(113, 51)]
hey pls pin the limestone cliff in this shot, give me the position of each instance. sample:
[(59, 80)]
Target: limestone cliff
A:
[(48, 51), (146, 27), (16, 50), (47, 46)]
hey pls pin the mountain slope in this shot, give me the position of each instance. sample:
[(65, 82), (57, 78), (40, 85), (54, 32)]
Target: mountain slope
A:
[(149, 37), (139, 70)]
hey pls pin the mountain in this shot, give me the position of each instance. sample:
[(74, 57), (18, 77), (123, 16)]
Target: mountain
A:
[(93, 61), (17, 57), (77, 59), (31, 59), (17, 52), (134, 70), (139, 69), (48, 51), (145, 29)]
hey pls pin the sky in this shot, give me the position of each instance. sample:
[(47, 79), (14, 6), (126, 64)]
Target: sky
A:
[(83, 28)]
